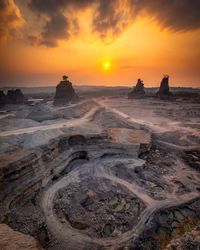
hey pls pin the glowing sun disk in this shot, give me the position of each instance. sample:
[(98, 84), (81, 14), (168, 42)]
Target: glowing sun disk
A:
[(106, 65)]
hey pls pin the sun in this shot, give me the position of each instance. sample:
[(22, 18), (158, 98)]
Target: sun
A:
[(106, 65)]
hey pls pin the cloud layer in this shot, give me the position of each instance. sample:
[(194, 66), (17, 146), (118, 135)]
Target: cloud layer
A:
[(11, 20), (110, 17), (178, 15)]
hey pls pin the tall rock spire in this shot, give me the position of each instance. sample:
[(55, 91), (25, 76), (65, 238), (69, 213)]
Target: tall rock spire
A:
[(164, 87), (65, 93), (138, 91)]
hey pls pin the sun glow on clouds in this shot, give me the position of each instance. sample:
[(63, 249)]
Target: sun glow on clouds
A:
[(140, 48), (11, 21)]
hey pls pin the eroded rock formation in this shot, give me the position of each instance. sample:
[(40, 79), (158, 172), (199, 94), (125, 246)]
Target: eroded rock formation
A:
[(138, 90), (88, 188), (13, 97), (65, 93), (164, 88), (3, 98)]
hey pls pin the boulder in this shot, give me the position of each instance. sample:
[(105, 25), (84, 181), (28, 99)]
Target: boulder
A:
[(13, 240), (138, 90), (42, 112), (65, 93), (164, 88)]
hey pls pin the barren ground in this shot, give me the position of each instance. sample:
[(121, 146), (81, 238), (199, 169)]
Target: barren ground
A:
[(106, 173)]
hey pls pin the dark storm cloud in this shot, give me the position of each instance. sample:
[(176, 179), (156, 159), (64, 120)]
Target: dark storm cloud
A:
[(50, 6), (111, 17), (179, 15), (108, 18), (56, 28), (46, 6)]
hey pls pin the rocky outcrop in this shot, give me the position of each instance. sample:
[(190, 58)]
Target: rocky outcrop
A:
[(3, 98), (13, 97), (10, 239), (136, 140), (164, 88), (42, 112), (18, 97), (65, 93), (138, 90)]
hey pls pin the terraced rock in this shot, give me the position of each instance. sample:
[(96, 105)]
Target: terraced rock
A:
[(106, 181)]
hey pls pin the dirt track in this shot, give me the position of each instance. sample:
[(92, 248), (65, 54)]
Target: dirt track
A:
[(73, 238), (67, 124), (161, 180), (97, 169)]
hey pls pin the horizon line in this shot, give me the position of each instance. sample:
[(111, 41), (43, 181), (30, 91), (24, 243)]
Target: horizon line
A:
[(105, 86)]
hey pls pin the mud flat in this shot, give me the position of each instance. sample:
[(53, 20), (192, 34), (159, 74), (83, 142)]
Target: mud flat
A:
[(109, 173)]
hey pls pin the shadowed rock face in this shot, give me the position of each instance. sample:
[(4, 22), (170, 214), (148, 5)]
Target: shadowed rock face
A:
[(12, 97), (164, 88), (18, 97), (65, 93), (138, 91), (3, 98)]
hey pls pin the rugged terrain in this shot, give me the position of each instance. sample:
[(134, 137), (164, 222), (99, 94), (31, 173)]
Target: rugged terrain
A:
[(106, 173)]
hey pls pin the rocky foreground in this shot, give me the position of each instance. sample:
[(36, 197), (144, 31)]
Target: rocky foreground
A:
[(14, 240), (102, 174)]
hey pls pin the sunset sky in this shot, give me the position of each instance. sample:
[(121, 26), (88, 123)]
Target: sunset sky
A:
[(99, 42)]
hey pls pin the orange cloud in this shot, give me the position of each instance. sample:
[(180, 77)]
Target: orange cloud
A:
[(11, 20), (111, 17)]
